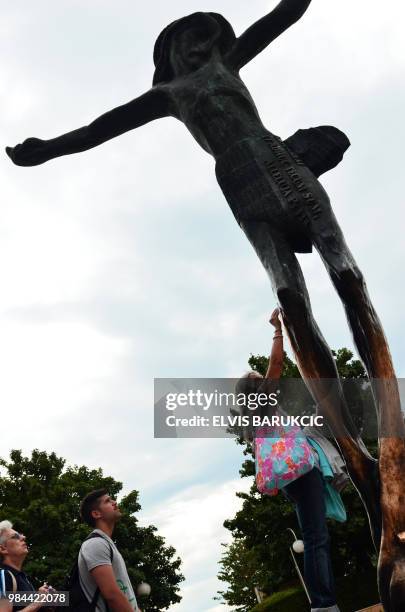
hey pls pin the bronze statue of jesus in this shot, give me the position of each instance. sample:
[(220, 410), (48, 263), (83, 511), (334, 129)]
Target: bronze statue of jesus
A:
[(272, 188)]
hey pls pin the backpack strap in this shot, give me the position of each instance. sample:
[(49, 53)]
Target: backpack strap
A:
[(93, 603), (2, 584), (98, 535), (3, 581)]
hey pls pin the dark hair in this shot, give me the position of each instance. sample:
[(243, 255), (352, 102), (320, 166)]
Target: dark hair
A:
[(90, 503), (163, 69), (249, 383)]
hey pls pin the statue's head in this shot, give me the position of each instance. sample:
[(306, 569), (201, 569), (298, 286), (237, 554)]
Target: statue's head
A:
[(187, 43)]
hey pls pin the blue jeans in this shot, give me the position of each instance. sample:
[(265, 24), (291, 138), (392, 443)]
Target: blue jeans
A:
[(307, 493)]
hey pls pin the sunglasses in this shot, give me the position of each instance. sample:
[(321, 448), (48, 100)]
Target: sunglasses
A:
[(16, 536)]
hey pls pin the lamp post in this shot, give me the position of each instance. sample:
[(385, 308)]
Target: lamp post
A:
[(260, 595), (143, 590), (298, 548)]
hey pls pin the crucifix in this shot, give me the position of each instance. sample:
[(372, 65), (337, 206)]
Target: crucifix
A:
[(273, 190)]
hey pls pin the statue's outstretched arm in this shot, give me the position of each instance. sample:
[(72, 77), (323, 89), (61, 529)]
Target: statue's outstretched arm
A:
[(33, 151), (263, 32)]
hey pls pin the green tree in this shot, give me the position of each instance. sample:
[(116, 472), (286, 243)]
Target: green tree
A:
[(41, 496), (259, 552), (240, 568)]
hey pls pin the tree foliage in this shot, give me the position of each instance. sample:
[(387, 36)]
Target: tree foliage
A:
[(259, 553), (41, 496)]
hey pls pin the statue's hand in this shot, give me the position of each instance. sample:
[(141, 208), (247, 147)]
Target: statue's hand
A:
[(31, 152)]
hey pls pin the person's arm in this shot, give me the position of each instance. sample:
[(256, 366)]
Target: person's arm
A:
[(151, 105), (7, 606), (263, 32), (275, 367), (276, 359), (104, 578)]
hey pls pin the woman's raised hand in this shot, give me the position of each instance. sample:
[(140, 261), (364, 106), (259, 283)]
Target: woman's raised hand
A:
[(275, 318)]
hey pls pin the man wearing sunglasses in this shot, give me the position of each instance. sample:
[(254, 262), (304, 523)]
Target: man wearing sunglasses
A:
[(13, 551)]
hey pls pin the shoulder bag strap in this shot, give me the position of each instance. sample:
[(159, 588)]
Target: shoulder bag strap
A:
[(14, 581), (2, 584), (3, 581), (93, 603)]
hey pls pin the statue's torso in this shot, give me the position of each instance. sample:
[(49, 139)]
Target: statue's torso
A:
[(215, 106), (260, 177)]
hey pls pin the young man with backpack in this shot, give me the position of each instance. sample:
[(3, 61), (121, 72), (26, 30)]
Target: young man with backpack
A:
[(102, 574)]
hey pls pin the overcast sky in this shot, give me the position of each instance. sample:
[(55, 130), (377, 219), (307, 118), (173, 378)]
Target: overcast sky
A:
[(124, 263)]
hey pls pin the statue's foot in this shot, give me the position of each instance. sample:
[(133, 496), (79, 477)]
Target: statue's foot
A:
[(391, 579)]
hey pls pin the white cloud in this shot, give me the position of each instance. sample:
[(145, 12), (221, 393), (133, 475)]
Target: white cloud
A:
[(44, 385), (193, 518)]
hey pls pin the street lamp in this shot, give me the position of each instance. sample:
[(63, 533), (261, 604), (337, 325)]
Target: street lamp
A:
[(298, 548), (143, 589)]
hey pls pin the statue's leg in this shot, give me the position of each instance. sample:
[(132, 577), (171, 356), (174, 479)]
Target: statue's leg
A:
[(374, 351), (314, 358)]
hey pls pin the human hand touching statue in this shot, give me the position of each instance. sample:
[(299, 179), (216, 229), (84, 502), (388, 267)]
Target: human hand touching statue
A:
[(275, 319)]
